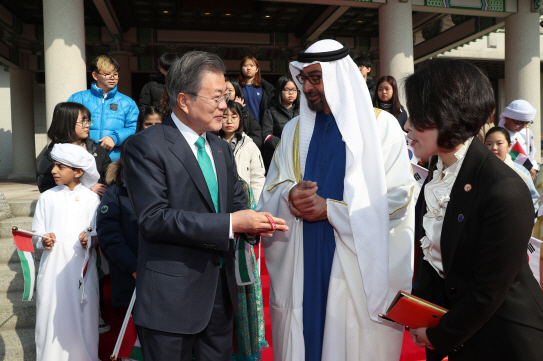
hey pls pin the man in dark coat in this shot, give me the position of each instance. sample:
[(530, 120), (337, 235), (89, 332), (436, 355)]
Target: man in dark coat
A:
[(153, 90), (189, 202)]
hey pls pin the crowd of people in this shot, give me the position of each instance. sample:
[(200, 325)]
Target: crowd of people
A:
[(179, 187)]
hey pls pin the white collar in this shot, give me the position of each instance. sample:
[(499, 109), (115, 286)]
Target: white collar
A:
[(459, 155), (76, 188), (190, 135)]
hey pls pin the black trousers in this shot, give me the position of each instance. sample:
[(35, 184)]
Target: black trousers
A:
[(214, 343)]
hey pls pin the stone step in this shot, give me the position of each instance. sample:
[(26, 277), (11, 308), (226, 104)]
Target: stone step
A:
[(6, 225), (18, 344), (15, 313), (12, 279), (23, 208), (8, 252)]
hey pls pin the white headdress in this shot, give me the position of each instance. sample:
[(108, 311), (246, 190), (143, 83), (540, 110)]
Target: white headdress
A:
[(365, 189), (519, 110), (75, 156)]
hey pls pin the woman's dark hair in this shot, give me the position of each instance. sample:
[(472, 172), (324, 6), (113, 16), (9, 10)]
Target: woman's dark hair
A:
[(62, 129), (281, 83), (166, 60), (257, 80), (148, 110), (499, 130), (395, 100), (452, 96), (235, 107), (164, 104), (236, 86)]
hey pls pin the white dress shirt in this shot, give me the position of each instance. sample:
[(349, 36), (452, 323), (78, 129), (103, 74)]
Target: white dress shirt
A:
[(437, 195), (191, 137)]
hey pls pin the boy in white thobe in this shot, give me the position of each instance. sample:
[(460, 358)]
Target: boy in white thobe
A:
[(67, 329), (516, 118)]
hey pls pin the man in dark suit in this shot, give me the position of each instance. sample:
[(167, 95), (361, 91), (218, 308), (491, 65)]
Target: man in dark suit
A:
[(185, 191)]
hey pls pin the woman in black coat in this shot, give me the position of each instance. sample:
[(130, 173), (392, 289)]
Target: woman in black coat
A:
[(388, 98), (257, 91), (66, 129), (287, 106), (476, 223)]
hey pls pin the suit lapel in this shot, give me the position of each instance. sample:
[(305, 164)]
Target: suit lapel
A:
[(220, 168), (460, 206), (182, 151)]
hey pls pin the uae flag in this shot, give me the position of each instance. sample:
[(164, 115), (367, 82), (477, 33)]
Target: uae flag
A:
[(25, 249), (518, 155), (128, 344)]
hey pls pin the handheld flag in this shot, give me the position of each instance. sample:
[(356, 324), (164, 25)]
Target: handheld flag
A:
[(128, 344), (86, 262), (534, 257), (243, 262), (25, 249), (102, 263), (518, 155), (410, 151)]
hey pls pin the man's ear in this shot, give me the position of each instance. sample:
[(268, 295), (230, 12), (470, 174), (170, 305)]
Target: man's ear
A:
[(369, 70), (182, 99), (94, 76), (79, 172)]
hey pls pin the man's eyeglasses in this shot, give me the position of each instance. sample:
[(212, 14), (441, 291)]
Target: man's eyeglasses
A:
[(291, 90), (313, 79), (522, 124), (110, 76), (85, 123), (218, 100)]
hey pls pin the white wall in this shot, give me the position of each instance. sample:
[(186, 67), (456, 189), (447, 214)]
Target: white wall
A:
[(40, 121), (6, 153)]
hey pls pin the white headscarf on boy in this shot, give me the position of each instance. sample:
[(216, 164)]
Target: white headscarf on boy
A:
[(75, 156)]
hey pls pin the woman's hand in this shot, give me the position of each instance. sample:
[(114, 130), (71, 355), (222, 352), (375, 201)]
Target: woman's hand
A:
[(418, 336), (239, 100), (99, 189)]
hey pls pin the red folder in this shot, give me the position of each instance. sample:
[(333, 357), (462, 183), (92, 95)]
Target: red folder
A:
[(413, 312)]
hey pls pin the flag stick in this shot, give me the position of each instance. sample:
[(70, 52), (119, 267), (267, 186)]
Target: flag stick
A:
[(123, 328), (16, 229), (259, 255), (538, 199)]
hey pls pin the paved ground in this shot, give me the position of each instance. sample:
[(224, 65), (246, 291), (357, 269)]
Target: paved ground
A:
[(19, 190)]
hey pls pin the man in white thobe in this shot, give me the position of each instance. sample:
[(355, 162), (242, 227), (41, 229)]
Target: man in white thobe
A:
[(342, 180)]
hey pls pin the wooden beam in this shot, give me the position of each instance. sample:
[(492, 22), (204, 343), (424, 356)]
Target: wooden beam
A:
[(110, 20), (450, 39), (324, 21)]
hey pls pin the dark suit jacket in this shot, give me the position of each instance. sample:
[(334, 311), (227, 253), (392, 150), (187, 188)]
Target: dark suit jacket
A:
[(181, 238), (496, 305)]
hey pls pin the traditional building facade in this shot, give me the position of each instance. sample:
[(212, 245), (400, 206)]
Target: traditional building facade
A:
[(45, 46)]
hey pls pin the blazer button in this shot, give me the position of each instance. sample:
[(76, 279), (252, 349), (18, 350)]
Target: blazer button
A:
[(452, 291)]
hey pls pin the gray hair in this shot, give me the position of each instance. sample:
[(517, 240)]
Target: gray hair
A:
[(186, 73)]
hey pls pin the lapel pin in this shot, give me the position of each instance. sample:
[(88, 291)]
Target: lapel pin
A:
[(467, 187), (460, 217), (77, 199), (220, 151)]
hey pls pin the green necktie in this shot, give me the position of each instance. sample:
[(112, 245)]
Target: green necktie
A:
[(207, 170)]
